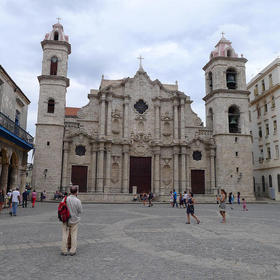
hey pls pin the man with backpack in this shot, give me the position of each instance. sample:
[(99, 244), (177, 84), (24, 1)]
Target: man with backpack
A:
[(70, 220)]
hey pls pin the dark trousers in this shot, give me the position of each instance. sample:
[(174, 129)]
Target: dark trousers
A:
[(24, 203), (175, 202)]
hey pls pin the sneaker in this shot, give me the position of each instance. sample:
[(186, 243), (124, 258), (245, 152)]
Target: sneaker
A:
[(63, 254), (72, 254)]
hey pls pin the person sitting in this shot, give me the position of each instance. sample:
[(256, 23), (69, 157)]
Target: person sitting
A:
[(135, 198)]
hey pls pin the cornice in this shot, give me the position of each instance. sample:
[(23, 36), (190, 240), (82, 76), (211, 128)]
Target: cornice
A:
[(54, 78), (61, 43), (265, 94), (241, 59), (226, 91)]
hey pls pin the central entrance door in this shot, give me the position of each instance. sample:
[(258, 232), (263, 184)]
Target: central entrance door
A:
[(79, 177), (198, 181), (140, 174)]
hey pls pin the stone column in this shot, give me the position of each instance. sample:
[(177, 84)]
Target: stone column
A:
[(125, 169), (65, 163), (188, 179), (102, 116), (157, 170), (176, 168), (22, 178), (212, 169), (157, 120), (182, 131), (109, 116), (100, 167), (126, 118), (108, 169), (183, 169), (176, 122), (92, 185), (4, 177)]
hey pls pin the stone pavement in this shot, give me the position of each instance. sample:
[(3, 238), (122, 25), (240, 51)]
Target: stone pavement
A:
[(136, 242)]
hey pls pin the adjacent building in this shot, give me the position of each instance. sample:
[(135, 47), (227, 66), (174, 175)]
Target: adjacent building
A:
[(138, 132), (264, 118), (15, 142)]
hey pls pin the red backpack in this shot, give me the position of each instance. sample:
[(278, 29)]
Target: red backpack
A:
[(63, 212)]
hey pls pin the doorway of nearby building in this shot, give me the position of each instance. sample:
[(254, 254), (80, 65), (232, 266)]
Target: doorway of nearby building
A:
[(198, 181), (79, 177), (140, 174)]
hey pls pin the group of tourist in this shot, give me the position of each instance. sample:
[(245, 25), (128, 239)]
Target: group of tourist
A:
[(13, 199), (147, 197)]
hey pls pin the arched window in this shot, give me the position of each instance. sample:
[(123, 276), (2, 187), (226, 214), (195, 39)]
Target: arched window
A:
[(231, 79), (263, 184), (210, 79), (234, 119), (270, 181), (54, 62), (51, 106), (55, 36), (229, 53), (210, 119)]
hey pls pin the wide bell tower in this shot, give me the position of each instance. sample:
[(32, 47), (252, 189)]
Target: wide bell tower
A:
[(227, 114), (51, 110)]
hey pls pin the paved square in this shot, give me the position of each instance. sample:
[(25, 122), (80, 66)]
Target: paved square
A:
[(136, 242)]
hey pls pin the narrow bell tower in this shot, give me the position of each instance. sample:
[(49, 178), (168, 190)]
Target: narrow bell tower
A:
[(227, 114), (51, 110)]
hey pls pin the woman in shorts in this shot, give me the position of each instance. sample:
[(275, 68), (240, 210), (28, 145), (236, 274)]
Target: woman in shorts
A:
[(190, 209), (222, 204)]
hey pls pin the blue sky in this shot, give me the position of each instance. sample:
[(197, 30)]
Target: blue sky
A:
[(175, 38)]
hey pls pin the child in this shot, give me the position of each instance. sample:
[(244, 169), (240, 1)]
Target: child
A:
[(244, 204)]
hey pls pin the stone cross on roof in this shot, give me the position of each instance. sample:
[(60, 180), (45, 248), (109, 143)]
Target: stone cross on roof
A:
[(58, 19), (140, 59)]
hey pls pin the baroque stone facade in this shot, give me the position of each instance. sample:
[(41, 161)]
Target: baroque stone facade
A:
[(139, 132)]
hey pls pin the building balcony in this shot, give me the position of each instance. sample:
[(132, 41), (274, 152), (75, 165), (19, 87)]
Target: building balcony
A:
[(14, 133)]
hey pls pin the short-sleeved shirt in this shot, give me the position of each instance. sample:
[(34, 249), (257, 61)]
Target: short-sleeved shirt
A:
[(15, 195), (175, 195)]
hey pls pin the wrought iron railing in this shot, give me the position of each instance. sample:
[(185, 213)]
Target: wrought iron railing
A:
[(10, 125)]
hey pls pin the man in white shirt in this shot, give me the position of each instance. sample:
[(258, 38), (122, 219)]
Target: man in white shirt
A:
[(15, 201), (70, 229)]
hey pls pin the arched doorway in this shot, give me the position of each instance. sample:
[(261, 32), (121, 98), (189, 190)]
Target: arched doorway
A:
[(4, 170), (12, 172)]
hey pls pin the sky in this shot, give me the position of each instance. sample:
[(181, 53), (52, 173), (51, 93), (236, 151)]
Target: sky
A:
[(175, 37)]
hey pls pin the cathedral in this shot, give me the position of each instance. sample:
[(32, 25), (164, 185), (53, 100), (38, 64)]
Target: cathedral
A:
[(138, 135)]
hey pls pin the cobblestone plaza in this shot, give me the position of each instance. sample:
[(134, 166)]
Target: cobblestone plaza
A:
[(122, 241)]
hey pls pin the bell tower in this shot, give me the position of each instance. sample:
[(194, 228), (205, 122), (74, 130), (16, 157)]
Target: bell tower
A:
[(51, 110), (227, 114)]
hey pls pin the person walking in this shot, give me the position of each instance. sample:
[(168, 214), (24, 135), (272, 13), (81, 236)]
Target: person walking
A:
[(2, 199), (222, 204), (190, 209), (150, 198), (244, 204), (175, 198), (71, 227), (15, 201), (24, 198), (238, 198), (171, 200), (33, 197)]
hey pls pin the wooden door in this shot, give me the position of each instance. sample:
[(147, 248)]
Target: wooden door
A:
[(140, 174), (198, 181), (79, 177)]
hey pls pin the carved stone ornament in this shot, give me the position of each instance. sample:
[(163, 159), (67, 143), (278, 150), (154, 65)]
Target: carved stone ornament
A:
[(166, 117), (116, 114), (141, 137), (167, 130), (116, 127), (115, 173), (197, 155), (80, 150), (166, 175), (141, 106)]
